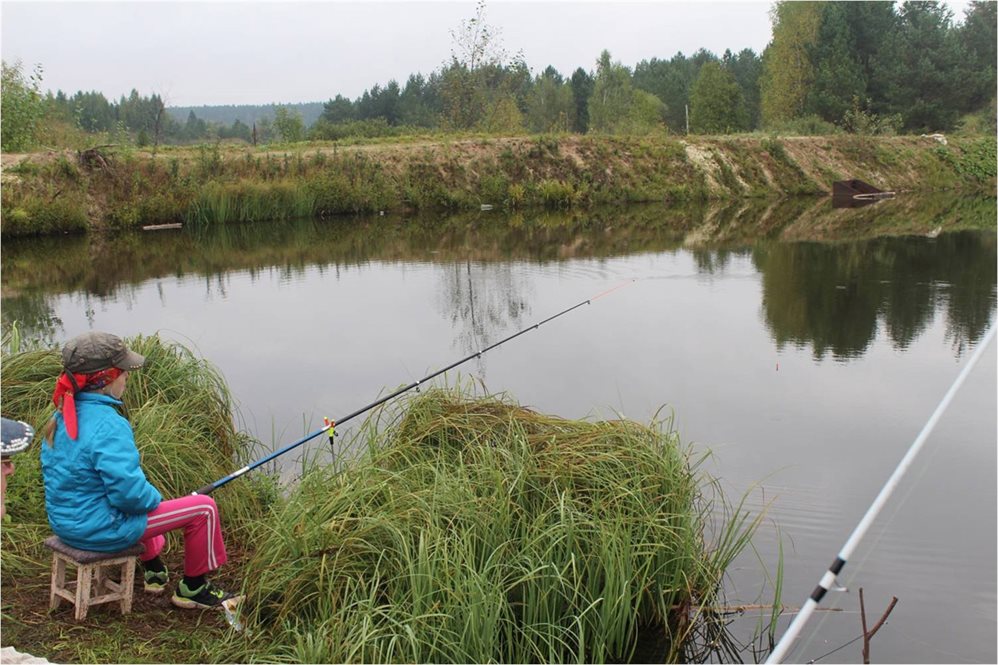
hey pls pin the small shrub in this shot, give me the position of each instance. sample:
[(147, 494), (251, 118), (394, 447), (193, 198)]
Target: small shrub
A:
[(16, 218), (555, 193), (68, 169), (123, 216), (981, 122), (775, 148), (164, 206), (516, 195), (27, 167), (493, 188), (209, 160), (39, 215), (860, 120)]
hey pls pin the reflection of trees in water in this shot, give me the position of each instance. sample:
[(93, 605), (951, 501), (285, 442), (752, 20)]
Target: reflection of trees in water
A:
[(35, 318), (714, 261), (835, 296), (482, 301), (970, 296), (37, 321)]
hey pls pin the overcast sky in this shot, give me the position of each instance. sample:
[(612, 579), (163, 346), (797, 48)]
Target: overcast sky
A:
[(196, 53)]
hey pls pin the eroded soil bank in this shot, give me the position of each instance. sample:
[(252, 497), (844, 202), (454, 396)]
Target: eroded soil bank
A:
[(57, 192)]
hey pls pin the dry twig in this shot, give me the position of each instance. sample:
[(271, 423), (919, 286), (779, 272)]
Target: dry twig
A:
[(868, 634)]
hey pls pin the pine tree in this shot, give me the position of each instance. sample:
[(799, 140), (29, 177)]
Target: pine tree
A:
[(918, 70), (338, 109), (979, 37), (838, 74), (746, 67), (582, 83)]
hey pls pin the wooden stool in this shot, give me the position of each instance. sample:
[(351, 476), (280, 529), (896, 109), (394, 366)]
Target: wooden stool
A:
[(91, 576)]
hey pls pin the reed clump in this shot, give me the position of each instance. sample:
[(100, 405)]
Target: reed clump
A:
[(476, 530), (182, 415)]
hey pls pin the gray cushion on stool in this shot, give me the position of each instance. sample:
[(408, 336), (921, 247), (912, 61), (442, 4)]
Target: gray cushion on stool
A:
[(87, 556)]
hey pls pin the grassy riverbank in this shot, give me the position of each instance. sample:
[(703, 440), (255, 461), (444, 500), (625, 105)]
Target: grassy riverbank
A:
[(467, 529), (52, 193)]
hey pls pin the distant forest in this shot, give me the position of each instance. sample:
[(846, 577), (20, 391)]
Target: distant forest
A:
[(246, 113), (863, 67)]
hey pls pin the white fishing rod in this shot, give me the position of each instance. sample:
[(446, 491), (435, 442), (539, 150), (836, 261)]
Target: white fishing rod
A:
[(828, 579)]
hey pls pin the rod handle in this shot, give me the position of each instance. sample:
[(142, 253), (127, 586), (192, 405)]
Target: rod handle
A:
[(206, 490)]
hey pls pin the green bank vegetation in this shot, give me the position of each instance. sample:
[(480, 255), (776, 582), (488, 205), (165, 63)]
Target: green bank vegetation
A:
[(463, 529), (216, 185)]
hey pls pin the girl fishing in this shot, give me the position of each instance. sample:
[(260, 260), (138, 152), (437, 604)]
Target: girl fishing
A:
[(96, 494)]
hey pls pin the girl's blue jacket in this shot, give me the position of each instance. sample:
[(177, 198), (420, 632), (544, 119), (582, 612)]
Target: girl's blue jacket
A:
[(96, 494)]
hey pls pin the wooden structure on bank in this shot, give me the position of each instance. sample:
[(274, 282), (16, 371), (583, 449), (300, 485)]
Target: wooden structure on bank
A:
[(852, 193)]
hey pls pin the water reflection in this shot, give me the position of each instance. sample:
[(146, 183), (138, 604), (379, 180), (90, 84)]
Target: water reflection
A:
[(834, 297), (831, 296), (480, 299)]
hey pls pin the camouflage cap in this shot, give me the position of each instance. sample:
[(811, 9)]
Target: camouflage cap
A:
[(94, 351)]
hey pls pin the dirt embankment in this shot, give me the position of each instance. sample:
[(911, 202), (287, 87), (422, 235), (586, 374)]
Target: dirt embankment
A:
[(58, 191)]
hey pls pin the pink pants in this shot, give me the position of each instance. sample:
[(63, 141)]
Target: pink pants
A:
[(197, 515)]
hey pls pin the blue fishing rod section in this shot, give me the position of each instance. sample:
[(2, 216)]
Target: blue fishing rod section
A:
[(330, 425)]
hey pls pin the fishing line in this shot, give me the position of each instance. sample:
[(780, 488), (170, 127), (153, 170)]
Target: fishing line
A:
[(829, 578), (211, 487), (852, 641), (860, 562)]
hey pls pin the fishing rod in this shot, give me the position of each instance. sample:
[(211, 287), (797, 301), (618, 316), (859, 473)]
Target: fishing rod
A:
[(829, 578), (331, 424)]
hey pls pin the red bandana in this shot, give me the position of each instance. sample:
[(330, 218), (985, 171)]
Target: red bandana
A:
[(68, 385)]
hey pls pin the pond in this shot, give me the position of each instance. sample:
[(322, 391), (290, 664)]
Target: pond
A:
[(805, 347)]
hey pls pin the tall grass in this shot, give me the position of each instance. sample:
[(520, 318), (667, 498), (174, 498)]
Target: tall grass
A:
[(251, 201), (475, 530)]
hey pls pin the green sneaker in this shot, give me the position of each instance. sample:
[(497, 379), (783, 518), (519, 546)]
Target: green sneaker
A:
[(205, 597), (155, 582)]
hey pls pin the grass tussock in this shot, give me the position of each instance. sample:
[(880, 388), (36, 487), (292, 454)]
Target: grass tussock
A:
[(476, 530)]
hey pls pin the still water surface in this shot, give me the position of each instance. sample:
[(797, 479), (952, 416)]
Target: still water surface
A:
[(807, 368)]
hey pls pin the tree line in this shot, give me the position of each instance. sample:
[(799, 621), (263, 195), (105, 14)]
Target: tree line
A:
[(866, 67), (873, 65)]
